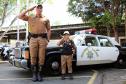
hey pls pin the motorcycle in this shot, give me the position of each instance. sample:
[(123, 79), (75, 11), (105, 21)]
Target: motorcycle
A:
[(5, 53)]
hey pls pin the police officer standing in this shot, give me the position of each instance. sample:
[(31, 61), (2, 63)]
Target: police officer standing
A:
[(67, 54), (40, 32)]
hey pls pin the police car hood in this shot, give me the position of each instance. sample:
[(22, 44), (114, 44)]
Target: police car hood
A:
[(52, 43)]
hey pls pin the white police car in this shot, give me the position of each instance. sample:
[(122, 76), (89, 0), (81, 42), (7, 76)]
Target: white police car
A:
[(95, 49), (90, 49)]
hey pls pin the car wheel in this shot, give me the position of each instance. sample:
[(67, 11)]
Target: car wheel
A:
[(120, 63), (53, 65)]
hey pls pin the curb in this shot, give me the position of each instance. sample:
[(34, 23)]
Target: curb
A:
[(91, 81), (2, 62)]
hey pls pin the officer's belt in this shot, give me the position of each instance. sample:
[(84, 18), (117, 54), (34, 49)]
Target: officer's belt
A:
[(43, 35)]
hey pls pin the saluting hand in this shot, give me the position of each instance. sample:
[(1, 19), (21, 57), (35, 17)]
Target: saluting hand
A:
[(30, 9)]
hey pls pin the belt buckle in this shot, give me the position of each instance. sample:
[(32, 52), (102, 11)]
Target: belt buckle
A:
[(37, 35)]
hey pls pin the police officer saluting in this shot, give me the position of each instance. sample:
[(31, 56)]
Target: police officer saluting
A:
[(40, 34), (67, 54)]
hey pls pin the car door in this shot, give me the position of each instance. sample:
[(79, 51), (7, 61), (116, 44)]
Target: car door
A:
[(107, 51), (87, 53), (97, 50)]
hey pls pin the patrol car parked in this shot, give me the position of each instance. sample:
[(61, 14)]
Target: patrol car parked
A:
[(90, 49)]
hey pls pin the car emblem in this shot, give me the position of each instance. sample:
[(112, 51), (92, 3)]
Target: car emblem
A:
[(89, 52)]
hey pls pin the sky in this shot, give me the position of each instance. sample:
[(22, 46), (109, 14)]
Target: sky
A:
[(57, 13)]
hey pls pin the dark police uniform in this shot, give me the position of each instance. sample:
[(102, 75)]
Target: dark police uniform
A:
[(67, 56)]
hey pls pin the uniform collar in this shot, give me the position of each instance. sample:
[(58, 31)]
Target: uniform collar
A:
[(41, 16), (68, 40), (38, 16)]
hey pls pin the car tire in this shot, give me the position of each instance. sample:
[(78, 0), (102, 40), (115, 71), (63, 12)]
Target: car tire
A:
[(120, 63), (53, 65)]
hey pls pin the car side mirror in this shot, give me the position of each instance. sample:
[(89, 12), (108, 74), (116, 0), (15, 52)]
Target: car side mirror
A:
[(83, 44)]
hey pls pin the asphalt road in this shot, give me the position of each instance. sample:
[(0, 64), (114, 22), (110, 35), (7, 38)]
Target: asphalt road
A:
[(90, 75), (111, 76), (107, 74), (13, 75)]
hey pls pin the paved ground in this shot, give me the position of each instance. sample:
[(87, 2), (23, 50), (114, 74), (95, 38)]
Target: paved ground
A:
[(101, 75), (13, 75), (110, 75), (113, 76)]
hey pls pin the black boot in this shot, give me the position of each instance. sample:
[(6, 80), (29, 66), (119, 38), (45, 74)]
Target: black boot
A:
[(63, 76), (70, 76), (34, 73), (40, 76)]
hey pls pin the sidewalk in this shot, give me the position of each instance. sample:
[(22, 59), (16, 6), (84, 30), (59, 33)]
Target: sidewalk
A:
[(1, 61)]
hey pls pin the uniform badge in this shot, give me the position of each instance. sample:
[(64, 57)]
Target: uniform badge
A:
[(33, 19)]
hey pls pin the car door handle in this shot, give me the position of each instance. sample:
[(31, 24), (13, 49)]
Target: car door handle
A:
[(97, 50), (116, 50)]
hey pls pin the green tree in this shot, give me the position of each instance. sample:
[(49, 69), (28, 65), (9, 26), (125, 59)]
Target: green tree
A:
[(95, 12), (5, 6), (123, 3), (106, 21), (77, 7)]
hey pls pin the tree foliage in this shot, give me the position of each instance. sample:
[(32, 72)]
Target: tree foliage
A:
[(5, 5), (99, 12), (90, 10)]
